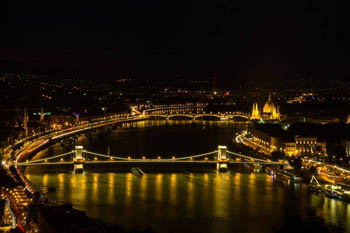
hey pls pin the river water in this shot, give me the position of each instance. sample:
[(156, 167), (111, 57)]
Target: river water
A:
[(206, 202)]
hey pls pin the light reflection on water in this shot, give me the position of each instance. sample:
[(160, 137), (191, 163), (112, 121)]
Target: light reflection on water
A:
[(225, 199), (180, 202)]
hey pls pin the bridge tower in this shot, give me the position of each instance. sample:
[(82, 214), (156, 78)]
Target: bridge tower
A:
[(222, 159), (78, 159)]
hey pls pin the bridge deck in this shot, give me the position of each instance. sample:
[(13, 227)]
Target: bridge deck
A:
[(147, 161)]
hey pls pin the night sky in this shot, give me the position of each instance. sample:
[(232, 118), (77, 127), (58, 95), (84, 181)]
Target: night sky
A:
[(238, 40)]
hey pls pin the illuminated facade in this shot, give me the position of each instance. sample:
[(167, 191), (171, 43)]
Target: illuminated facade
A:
[(270, 111), (348, 120), (291, 146), (255, 112), (309, 145)]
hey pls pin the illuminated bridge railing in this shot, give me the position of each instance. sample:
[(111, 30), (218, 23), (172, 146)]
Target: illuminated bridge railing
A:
[(224, 116), (177, 107)]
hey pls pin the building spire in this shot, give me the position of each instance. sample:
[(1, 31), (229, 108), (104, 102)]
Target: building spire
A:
[(255, 112), (25, 122), (270, 96), (42, 115)]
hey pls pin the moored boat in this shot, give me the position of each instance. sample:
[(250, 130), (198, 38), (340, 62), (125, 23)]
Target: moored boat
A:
[(332, 191), (137, 171)]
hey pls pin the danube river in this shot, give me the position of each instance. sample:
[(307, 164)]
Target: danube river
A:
[(237, 201)]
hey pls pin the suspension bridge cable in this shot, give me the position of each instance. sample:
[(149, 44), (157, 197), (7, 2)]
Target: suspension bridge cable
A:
[(106, 156), (251, 158), (123, 158), (196, 156), (56, 156)]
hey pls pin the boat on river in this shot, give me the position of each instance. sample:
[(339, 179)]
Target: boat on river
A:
[(333, 191), (285, 176), (137, 171)]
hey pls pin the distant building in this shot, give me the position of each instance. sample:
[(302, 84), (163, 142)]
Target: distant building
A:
[(270, 111), (61, 121), (272, 138), (323, 120), (255, 112), (309, 145)]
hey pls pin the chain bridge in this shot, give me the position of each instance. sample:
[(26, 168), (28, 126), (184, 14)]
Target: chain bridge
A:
[(78, 157)]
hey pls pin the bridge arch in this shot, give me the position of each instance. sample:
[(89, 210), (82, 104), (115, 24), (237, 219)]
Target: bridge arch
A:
[(246, 117), (180, 115), (158, 116), (207, 115)]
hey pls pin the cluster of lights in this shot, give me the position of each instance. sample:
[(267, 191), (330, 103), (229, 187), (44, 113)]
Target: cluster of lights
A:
[(19, 201), (20, 197)]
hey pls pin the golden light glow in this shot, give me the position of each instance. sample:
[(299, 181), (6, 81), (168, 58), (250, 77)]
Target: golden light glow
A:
[(143, 188), (94, 195), (45, 179), (128, 191), (159, 186), (111, 177), (190, 196)]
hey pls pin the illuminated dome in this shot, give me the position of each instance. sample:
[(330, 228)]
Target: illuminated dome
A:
[(269, 106), (271, 111)]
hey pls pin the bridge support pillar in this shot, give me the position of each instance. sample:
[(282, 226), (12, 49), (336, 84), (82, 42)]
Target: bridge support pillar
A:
[(221, 166), (78, 159)]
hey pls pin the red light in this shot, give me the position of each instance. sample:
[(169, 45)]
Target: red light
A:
[(21, 228), (227, 94)]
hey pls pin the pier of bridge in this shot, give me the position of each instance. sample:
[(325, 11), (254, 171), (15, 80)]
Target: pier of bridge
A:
[(222, 159), (78, 159)]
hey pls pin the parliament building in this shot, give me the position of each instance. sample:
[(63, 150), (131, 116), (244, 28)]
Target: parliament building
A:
[(271, 112)]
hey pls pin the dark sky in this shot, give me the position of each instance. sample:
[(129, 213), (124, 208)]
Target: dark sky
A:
[(239, 40)]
